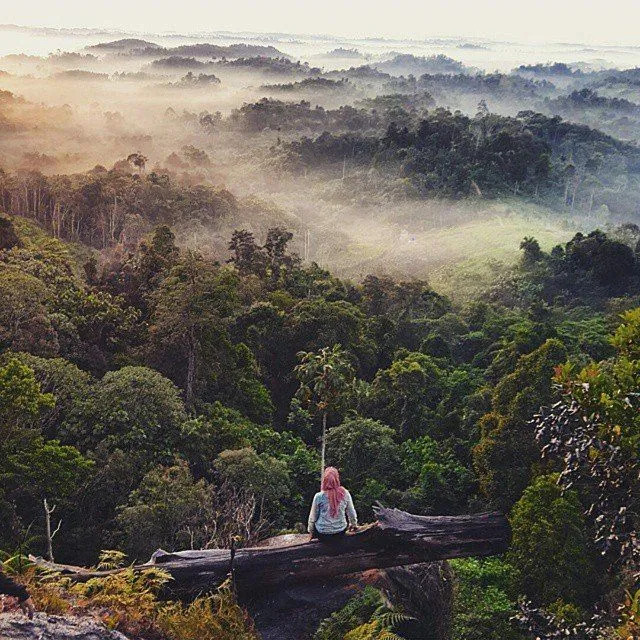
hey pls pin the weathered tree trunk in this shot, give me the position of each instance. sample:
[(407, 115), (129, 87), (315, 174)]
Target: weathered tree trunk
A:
[(191, 367), (323, 444), (47, 520), (50, 535), (397, 539)]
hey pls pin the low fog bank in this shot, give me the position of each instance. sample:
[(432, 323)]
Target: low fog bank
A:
[(486, 54), (324, 137)]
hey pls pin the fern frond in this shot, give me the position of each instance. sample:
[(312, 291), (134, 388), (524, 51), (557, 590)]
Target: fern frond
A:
[(389, 635), (111, 559), (394, 618)]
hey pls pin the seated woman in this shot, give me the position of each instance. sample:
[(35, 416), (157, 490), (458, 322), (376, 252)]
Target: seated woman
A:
[(331, 509)]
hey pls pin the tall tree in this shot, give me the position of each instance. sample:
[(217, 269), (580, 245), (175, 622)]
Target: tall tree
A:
[(190, 311), (324, 377)]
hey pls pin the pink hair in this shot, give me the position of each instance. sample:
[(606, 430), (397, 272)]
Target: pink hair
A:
[(331, 486)]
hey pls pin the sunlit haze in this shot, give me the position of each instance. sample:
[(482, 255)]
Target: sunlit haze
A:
[(588, 21)]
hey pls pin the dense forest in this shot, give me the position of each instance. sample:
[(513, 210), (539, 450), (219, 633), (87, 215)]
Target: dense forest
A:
[(177, 325), (451, 155), (165, 373)]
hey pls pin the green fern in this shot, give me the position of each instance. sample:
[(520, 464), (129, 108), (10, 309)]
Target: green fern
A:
[(13, 564), (357, 611), (215, 616), (389, 635), (394, 618), (111, 559)]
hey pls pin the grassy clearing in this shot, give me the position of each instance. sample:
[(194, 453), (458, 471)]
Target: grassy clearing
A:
[(460, 260), (481, 251)]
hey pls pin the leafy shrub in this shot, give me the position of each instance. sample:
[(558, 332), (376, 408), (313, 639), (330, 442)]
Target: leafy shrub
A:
[(630, 615), (128, 598), (128, 601), (550, 548), (48, 590), (482, 609)]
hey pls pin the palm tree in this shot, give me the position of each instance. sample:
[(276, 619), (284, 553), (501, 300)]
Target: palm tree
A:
[(324, 376), (137, 160)]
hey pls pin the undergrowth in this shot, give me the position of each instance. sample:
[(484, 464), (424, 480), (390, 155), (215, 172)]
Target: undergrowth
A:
[(365, 617), (129, 601)]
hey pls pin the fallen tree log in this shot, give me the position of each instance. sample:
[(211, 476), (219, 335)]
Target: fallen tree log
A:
[(396, 539)]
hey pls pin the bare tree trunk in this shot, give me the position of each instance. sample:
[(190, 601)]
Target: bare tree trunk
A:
[(50, 534), (574, 195), (323, 446), (191, 368)]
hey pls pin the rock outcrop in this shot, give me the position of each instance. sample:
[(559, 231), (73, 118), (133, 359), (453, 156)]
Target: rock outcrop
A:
[(15, 626), (423, 591)]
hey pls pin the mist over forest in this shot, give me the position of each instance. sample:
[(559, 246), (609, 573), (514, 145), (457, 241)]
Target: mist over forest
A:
[(451, 225), (551, 142)]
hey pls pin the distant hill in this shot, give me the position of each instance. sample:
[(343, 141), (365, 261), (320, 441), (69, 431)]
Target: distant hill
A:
[(549, 69), (341, 52), (470, 45), (80, 74), (125, 44), (143, 48), (178, 62), (404, 64), (238, 50)]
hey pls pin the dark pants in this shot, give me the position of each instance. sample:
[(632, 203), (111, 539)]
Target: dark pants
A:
[(328, 537)]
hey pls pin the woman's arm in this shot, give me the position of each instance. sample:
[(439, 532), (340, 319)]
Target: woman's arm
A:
[(313, 514), (352, 516)]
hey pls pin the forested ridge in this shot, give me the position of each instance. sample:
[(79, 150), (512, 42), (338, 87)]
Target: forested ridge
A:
[(447, 154)]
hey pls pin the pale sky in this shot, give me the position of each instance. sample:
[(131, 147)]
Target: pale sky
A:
[(588, 21)]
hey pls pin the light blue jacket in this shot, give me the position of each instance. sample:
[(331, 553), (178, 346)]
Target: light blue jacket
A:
[(321, 518)]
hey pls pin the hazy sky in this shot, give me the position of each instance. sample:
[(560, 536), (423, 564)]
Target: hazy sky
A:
[(597, 21)]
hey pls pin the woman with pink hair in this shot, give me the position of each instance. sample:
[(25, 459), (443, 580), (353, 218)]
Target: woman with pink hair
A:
[(332, 509)]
